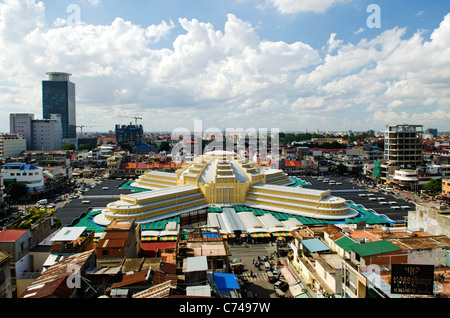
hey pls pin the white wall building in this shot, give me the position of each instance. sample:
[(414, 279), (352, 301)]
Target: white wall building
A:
[(11, 145), (30, 175), (47, 133), (40, 134)]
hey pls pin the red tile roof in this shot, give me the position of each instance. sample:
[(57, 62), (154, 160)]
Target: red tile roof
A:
[(11, 235)]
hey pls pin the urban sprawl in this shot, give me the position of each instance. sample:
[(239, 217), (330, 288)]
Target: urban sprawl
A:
[(131, 214)]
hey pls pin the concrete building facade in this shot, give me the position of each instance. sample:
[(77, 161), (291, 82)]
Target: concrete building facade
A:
[(11, 145), (47, 133), (27, 174)]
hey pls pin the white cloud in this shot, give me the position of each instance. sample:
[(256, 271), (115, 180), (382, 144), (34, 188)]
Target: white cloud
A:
[(333, 44), (228, 78), (295, 6), (94, 2)]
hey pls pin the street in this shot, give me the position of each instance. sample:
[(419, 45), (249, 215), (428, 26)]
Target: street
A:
[(259, 286)]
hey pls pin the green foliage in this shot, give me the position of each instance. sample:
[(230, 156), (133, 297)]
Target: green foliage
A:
[(164, 146), (434, 185), (33, 216), (89, 146), (125, 146), (68, 147), (286, 138), (16, 190)]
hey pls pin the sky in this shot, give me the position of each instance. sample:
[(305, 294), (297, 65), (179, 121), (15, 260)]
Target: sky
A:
[(290, 65)]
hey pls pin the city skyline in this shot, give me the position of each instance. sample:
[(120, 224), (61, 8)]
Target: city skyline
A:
[(334, 65)]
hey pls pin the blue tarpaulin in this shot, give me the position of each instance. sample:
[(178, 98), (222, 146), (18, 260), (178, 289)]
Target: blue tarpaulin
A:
[(225, 282)]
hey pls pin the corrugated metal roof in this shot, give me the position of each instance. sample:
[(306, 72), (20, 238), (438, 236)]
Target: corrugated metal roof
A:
[(11, 235), (204, 291), (374, 248), (134, 278), (315, 245), (52, 282), (107, 243), (195, 264), (160, 277), (115, 235), (159, 291), (345, 243)]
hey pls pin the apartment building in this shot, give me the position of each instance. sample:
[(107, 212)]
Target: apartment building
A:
[(40, 134), (11, 145), (30, 175), (402, 150)]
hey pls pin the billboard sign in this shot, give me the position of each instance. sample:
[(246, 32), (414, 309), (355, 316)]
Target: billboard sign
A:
[(412, 279)]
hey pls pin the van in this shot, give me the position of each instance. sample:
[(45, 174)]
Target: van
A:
[(86, 202), (267, 266), (105, 188), (43, 202)]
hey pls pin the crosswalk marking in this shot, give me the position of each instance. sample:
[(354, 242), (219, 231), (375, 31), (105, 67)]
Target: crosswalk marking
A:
[(257, 276)]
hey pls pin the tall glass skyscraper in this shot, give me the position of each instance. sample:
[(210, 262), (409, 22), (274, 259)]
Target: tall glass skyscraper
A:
[(58, 97)]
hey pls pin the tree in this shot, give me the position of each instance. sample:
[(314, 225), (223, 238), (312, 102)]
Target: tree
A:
[(164, 146), (89, 146), (126, 146), (16, 190), (68, 147), (434, 185)]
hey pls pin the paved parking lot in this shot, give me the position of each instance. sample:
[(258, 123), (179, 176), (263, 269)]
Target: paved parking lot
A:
[(97, 197), (370, 199)]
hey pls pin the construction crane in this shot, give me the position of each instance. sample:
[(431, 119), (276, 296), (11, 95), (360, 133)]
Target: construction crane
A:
[(81, 129), (135, 118)]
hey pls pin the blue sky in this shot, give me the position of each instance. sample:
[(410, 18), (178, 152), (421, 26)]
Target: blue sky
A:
[(294, 65)]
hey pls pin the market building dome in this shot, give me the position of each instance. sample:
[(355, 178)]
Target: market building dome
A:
[(221, 178)]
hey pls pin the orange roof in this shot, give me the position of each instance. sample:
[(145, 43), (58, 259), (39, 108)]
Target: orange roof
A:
[(142, 165), (363, 234), (130, 279), (128, 165)]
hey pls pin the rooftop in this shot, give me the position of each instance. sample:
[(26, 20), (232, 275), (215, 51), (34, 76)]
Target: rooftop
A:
[(374, 248), (11, 235)]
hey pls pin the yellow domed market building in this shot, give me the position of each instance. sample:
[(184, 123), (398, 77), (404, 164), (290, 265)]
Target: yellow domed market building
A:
[(221, 179)]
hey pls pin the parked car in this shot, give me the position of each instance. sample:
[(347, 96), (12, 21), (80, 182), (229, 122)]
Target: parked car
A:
[(282, 285)]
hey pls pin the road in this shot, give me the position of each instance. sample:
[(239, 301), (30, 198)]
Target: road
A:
[(258, 285)]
